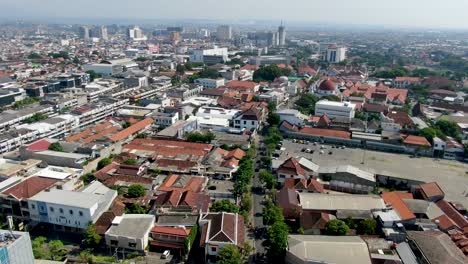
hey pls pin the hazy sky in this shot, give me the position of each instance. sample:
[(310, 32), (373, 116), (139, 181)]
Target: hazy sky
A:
[(413, 13)]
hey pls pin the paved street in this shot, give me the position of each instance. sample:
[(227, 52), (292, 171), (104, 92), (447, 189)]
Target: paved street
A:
[(257, 199)]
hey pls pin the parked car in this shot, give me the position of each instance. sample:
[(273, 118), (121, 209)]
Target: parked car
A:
[(165, 254), (303, 150), (330, 152)]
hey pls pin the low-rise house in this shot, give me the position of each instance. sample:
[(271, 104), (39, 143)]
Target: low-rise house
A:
[(171, 238), (405, 82), (315, 223), (219, 230), (435, 247), (395, 201), (292, 116), (249, 119), (130, 232), (428, 191), (288, 200)]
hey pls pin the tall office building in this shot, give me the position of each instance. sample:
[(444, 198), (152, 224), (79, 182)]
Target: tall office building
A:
[(224, 32), (84, 32), (15, 248), (281, 35), (135, 33), (103, 33)]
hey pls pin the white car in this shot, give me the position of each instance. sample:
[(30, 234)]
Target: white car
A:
[(165, 254)]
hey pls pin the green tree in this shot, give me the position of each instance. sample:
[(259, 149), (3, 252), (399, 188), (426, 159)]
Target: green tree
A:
[(267, 179), (34, 56), (91, 237), (367, 227), (56, 147), (246, 202), (272, 214), (229, 254), (336, 227), (306, 103), (88, 178), (273, 119), (135, 208), (224, 205), (180, 69), (93, 75), (188, 241), (270, 73), (133, 162), (448, 128), (206, 137), (40, 249), (57, 250), (135, 191), (104, 162), (276, 240)]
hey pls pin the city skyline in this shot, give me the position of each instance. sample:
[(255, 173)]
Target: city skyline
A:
[(399, 13)]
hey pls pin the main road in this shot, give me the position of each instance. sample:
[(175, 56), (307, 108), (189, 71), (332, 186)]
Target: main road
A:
[(257, 198)]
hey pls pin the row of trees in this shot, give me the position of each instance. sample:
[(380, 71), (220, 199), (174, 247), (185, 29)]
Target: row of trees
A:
[(442, 129), (338, 227)]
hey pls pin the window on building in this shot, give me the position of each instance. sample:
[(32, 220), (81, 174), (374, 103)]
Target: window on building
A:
[(33, 206), (114, 242), (245, 122), (253, 123), (214, 249), (41, 207), (80, 213), (61, 210), (132, 244), (71, 212), (51, 209)]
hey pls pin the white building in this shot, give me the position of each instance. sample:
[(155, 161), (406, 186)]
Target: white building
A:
[(249, 119), (165, 119), (335, 109), (198, 55), (130, 232), (224, 32), (332, 53), (15, 248), (292, 116), (69, 209), (210, 83)]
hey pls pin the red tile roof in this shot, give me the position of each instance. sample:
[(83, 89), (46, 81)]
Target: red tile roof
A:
[(132, 129), (242, 85), (291, 166), (179, 231), (451, 212), (40, 145), (30, 187), (431, 189), (401, 118), (327, 86), (417, 141), (393, 199), (325, 132), (444, 222), (368, 90)]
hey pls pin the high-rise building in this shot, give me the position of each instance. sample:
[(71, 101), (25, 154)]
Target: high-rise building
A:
[(84, 32), (224, 32), (103, 33), (15, 248), (281, 35), (174, 37), (135, 33)]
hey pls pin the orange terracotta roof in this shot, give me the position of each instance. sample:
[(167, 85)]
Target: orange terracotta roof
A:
[(431, 189), (325, 132), (30, 187), (451, 212), (397, 203), (132, 129), (444, 222), (101, 134), (180, 231), (417, 140)]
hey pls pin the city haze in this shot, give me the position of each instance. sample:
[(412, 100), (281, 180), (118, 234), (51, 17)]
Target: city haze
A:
[(398, 13)]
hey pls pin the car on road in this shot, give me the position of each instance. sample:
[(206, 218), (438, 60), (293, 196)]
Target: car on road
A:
[(303, 150), (330, 152)]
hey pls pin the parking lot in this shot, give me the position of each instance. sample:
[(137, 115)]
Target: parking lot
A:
[(450, 175)]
